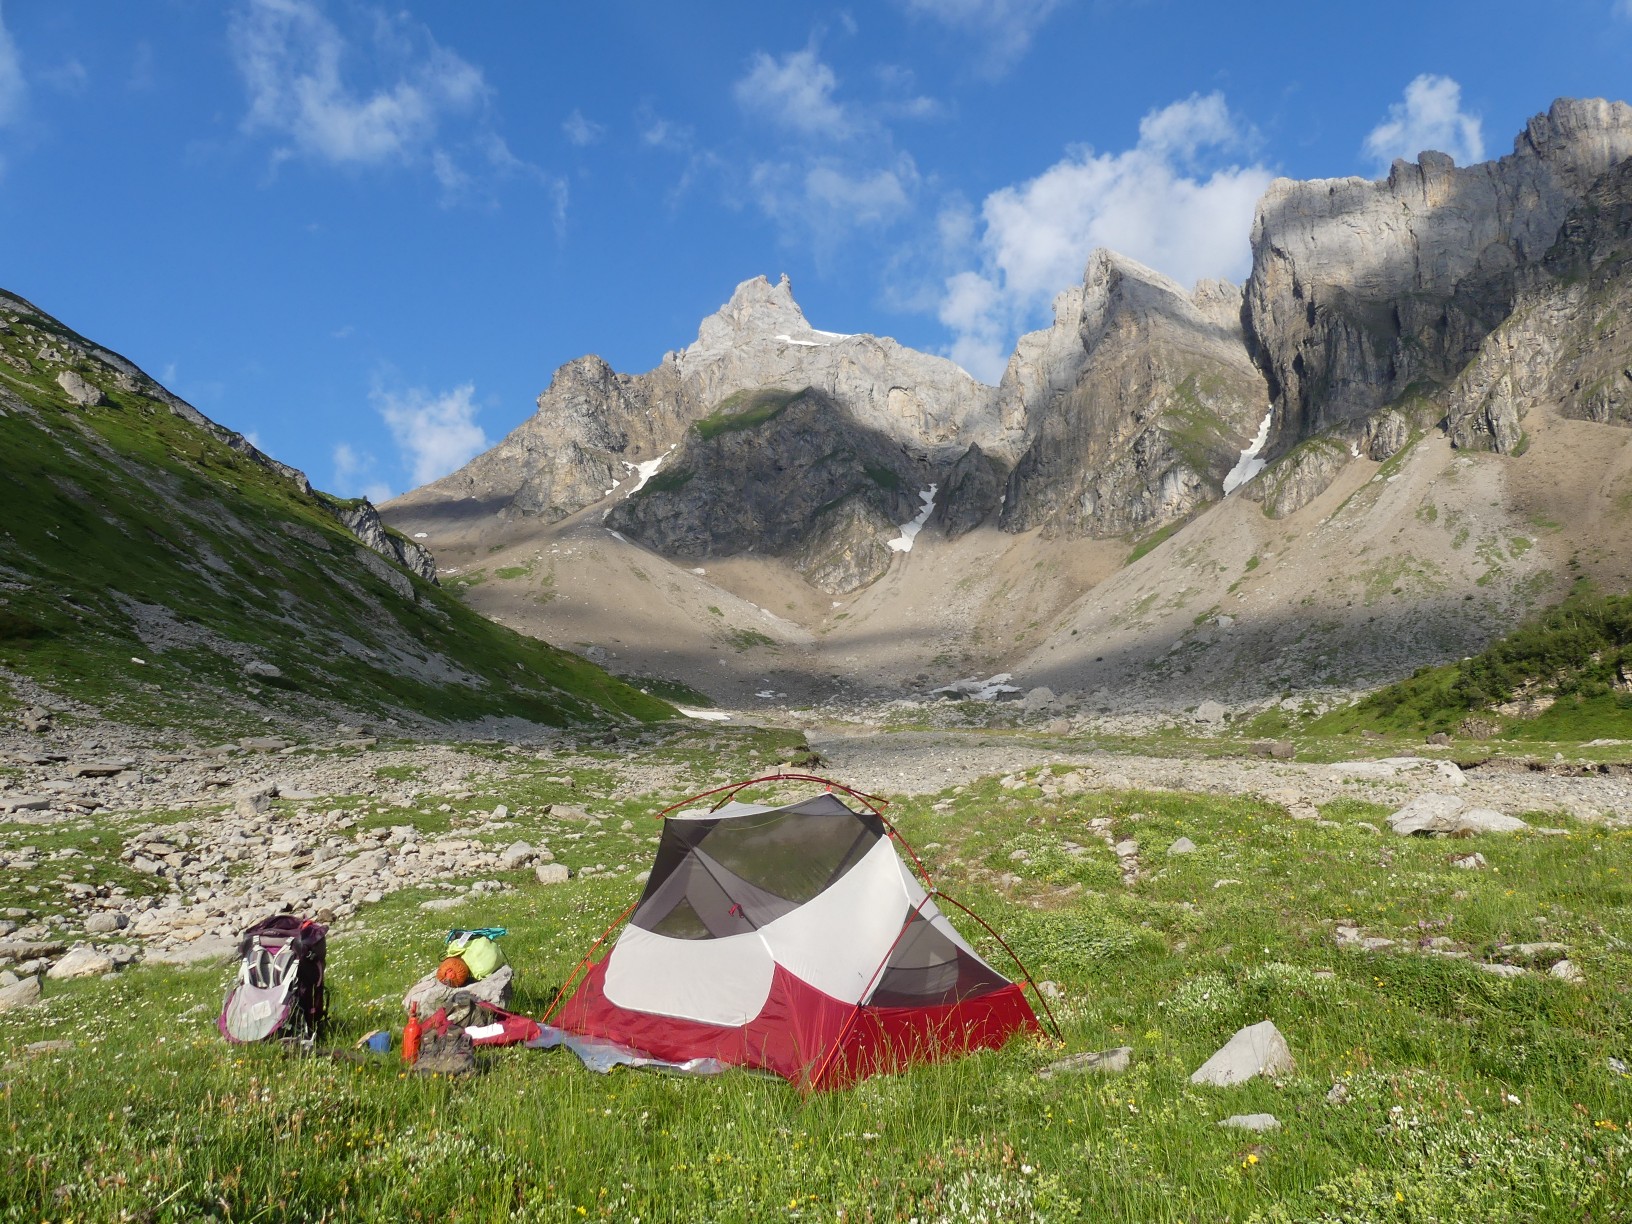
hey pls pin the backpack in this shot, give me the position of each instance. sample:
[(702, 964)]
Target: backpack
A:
[(279, 982)]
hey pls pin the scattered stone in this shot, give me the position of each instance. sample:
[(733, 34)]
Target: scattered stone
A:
[(431, 994), (24, 803), (106, 923), (265, 743), (1338, 1095), (1533, 953), (1279, 750), (262, 670), (207, 949), (81, 392), (551, 873), (1484, 820), (1257, 1049), (1182, 846), (83, 960), (1038, 700), (36, 719), (254, 800), (444, 903), (1428, 815), (516, 855), (1507, 971), (1566, 971), (23, 993), (1107, 1062), (1210, 713), (1252, 1122), (1439, 739), (59, 1046), (1469, 862)]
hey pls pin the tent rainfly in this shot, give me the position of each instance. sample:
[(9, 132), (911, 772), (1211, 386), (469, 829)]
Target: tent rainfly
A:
[(792, 939)]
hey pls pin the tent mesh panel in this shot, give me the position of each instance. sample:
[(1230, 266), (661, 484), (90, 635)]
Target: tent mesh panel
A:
[(927, 969), (714, 878)]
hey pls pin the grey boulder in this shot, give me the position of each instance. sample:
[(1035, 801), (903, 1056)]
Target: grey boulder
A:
[(24, 993), (82, 960), (1252, 1122), (1257, 1049)]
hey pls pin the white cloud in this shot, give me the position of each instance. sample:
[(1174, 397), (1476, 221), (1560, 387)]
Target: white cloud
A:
[(290, 57), (354, 475), (1430, 117), (1157, 203), (661, 133), (391, 96), (580, 131), (1002, 28), (436, 433), (827, 198), (794, 92), (13, 89)]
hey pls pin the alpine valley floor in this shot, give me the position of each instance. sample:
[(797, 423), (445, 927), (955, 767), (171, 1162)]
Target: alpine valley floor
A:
[(1445, 1065)]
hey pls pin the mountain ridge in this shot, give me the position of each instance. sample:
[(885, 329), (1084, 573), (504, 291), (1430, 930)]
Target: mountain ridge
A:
[(1383, 321)]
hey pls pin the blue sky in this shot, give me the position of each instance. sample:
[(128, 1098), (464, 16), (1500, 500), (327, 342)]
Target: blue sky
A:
[(367, 234)]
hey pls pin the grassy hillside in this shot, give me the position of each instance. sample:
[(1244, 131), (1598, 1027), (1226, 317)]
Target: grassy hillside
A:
[(1565, 674), (146, 556), (1426, 1089)]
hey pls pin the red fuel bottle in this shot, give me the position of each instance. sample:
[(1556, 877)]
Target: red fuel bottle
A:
[(410, 1036)]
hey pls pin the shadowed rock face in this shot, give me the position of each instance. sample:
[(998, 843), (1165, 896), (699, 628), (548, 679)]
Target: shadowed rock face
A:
[(594, 426), (1565, 342), (1138, 402), (1360, 289), (789, 474), (1374, 311)]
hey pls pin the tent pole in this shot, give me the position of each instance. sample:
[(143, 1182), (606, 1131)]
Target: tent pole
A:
[(1049, 1011), (912, 915), (561, 991)]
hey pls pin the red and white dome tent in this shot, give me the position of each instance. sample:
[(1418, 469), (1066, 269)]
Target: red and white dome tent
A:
[(794, 939)]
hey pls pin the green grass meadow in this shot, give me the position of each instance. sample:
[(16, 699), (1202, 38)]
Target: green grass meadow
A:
[(1469, 1097)]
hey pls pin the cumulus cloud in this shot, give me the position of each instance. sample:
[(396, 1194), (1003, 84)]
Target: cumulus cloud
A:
[(13, 89), (290, 54), (580, 131), (435, 433), (392, 96), (355, 474), (1174, 202), (829, 197), (1003, 29), (1429, 117), (794, 91)]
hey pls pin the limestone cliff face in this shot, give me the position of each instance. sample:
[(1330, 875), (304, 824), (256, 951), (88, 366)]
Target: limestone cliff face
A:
[(594, 426), (1137, 403), (784, 473), (1361, 289), (1566, 342)]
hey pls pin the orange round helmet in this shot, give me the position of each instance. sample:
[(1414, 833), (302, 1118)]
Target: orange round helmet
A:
[(453, 972)]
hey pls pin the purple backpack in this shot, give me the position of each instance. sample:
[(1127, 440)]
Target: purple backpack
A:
[(279, 982)]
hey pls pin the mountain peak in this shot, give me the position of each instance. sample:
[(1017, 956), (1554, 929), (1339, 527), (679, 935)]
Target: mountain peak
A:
[(757, 309)]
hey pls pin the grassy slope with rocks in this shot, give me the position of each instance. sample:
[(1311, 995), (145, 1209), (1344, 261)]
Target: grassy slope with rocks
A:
[(1563, 675), (1464, 1094), (129, 532)]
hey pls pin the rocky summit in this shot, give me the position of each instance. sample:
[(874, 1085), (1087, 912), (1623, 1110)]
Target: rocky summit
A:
[(1404, 432)]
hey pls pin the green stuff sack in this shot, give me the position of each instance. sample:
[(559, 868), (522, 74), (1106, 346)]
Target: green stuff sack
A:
[(479, 949)]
